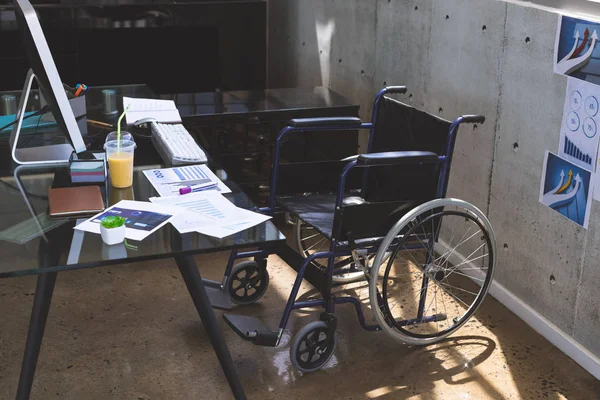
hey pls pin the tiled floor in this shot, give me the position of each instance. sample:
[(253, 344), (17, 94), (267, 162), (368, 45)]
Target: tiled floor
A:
[(131, 332)]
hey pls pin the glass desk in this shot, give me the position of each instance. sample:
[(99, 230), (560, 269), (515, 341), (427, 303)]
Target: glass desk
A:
[(24, 202), (33, 244), (259, 102)]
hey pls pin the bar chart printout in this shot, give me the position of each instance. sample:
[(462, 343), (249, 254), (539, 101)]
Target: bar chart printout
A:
[(205, 207), (579, 129)]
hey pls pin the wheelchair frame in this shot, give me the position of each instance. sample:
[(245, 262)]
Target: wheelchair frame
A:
[(258, 333)]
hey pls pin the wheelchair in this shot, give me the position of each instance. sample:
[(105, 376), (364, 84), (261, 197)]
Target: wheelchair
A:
[(381, 217)]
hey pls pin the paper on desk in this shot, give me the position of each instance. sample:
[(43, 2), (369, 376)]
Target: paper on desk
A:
[(161, 110), (203, 209), (143, 218), (168, 181), (245, 219), (209, 213)]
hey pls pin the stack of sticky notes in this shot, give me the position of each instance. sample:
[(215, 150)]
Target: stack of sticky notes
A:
[(87, 170)]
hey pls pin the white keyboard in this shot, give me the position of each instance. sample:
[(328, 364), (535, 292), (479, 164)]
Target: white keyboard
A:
[(176, 144)]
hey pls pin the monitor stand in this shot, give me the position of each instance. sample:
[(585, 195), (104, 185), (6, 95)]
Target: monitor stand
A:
[(51, 154)]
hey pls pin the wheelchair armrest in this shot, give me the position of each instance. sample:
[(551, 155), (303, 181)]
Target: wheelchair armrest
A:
[(342, 122), (396, 157)]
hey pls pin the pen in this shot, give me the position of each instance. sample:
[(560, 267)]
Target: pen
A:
[(99, 123), (197, 188), (187, 183)]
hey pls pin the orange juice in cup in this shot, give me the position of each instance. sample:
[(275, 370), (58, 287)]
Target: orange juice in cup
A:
[(119, 154)]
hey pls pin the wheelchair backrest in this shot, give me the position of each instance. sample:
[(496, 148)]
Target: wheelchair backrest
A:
[(392, 191), (400, 127)]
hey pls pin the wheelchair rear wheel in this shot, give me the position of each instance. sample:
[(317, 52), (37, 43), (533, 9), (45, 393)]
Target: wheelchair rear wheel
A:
[(432, 271), (309, 241)]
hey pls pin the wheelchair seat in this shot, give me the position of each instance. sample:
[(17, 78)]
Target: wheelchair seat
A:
[(318, 210)]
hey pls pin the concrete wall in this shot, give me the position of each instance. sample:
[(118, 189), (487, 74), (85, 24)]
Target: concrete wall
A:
[(464, 56)]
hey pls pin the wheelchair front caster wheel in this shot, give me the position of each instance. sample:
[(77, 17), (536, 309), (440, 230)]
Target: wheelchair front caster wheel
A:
[(247, 283), (312, 347)]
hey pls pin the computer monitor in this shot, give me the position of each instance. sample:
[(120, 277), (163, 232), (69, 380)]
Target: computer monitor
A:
[(51, 88)]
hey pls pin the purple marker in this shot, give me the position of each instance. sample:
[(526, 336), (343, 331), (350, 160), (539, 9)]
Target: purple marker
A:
[(197, 188)]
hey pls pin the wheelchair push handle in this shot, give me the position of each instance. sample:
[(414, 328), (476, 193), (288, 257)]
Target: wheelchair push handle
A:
[(326, 122), (473, 119), (395, 89)]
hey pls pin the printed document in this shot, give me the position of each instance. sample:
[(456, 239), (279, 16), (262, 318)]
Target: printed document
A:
[(210, 213), (160, 110), (168, 181), (141, 218)]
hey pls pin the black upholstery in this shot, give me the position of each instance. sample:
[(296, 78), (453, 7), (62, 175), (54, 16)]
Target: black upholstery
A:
[(311, 177), (369, 219), (397, 157), (319, 212), (316, 210), (342, 122), (400, 127)]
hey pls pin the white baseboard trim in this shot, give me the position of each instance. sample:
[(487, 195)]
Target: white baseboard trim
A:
[(538, 322)]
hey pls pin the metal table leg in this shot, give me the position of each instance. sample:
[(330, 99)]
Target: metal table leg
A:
[(193, 280), (37, 324)]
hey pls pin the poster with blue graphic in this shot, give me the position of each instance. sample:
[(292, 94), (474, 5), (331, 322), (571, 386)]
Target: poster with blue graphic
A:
[(579, 135), (576, 52), (567, 189)]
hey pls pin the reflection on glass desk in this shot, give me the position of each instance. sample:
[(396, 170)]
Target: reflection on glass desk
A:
[(93, 97), (258, 101), (74, 249), (238, 129)]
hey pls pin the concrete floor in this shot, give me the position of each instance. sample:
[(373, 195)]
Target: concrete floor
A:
[(131, 332)]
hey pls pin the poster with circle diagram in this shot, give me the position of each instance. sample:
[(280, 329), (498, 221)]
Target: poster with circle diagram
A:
[(579, 134)]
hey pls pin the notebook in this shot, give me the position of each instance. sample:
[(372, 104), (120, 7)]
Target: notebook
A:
[(161, 110), (75, 201)]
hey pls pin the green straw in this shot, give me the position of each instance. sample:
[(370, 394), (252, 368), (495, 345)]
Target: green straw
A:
[(119, 128)]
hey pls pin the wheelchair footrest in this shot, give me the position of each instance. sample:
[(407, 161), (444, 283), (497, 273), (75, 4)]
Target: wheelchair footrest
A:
[(251, 329), (218, 298)]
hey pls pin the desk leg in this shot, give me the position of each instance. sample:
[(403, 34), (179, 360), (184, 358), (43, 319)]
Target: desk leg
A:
[(193, 280), (37, 324)]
